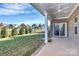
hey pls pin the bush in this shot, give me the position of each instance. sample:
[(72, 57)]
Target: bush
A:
[(21, 31), (14, 32), (26, 31), (3, 32), (30, 30), (49, 40)]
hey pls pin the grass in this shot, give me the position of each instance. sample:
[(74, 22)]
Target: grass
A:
[(21, 45)]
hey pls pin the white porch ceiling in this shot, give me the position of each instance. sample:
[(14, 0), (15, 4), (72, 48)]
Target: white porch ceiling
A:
[(58, 10)]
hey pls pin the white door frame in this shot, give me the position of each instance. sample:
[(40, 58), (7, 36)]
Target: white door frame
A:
[(59, 31)]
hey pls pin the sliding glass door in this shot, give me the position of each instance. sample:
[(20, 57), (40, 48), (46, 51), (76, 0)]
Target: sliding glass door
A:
[(60, 29)]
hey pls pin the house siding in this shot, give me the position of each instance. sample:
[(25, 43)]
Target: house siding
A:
[(71, 35)]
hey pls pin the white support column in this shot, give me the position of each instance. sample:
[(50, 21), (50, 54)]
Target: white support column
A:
[(46, 28)]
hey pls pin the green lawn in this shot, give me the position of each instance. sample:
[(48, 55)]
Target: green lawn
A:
[(21, 45)]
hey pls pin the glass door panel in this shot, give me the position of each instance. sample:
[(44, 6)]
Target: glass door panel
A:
[(60, 29), (56, 29)]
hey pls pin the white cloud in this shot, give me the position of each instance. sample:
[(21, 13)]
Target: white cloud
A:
[(14, 8)]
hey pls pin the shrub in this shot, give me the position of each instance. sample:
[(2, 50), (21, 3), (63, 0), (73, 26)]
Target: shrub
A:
[(21, 31), (14, 32), (26, 31), (49, 40), (3, 32), (30, 30)]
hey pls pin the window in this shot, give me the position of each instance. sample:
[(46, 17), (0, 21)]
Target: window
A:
[(60, 29), (75, 29), (75, 20), (75, 25)]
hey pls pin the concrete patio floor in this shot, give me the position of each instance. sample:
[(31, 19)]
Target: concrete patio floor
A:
[(59, 48)]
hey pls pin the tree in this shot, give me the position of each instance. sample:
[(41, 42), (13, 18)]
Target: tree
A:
[(3, 32), (14, 32), (30, 30), (26, 31), (21, 31)]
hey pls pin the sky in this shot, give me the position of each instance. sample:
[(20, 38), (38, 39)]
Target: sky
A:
[(17, 13)]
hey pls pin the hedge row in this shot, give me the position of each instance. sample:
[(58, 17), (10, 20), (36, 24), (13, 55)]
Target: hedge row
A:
[(15, 32), (3, 32)]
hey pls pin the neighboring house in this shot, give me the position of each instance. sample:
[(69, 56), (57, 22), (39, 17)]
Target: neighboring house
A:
[(37, 27), (10, 25), (2, 25), (64, 20), (22, 26), (7, 25), (34, 26)]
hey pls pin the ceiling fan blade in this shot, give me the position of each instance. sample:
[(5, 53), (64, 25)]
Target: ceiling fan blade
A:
[(59, 10)]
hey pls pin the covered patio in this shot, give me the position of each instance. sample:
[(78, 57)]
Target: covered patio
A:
[(64, 42), (56, 13)]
